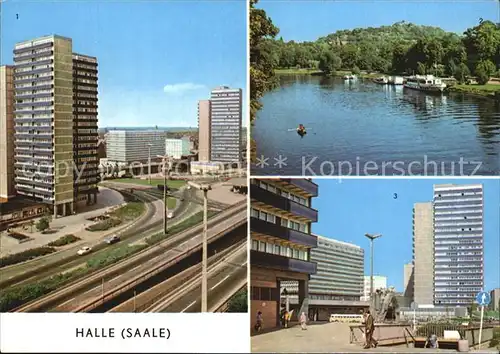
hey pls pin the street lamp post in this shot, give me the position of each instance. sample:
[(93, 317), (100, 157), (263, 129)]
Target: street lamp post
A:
[(166, 171), (204, 188), (372, 237)]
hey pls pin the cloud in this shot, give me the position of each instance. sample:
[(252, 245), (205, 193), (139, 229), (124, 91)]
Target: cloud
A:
[(183, 87)]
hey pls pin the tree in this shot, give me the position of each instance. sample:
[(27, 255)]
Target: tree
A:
[(43, 224), (262, 76), (484, 70), (239, 302), (461, 72), (329, 63), (356, 70), (349, 55), (421, 69)]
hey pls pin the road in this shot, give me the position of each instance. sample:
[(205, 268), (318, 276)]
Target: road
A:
[(150, 222), (170, 287), (90, 289), (222, 277)]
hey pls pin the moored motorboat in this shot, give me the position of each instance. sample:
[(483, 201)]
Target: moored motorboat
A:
[(350, 77), (396, 80), (381, 80), (427, 83)]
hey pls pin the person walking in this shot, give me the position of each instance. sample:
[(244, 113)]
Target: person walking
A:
[(303, 321), (258, 324), (369, 329)]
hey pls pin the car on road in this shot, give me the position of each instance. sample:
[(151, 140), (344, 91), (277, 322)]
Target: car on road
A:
[(84, 250), (170, 215), (112, 239)]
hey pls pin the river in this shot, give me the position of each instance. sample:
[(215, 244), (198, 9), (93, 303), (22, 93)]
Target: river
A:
[(362, 128)]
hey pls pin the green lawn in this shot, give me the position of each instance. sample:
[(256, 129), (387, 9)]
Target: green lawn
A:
[(171, 202), (485, 90), (154, 182), (130, 211), (297, 71)]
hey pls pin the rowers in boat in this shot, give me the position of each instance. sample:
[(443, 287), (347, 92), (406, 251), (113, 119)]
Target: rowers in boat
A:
[(301, 130)]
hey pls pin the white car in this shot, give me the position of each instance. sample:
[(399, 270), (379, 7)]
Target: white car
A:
[(84, 250), (170, 215)]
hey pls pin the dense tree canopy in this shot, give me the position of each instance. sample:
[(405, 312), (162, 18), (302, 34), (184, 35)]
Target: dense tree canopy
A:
[(400, 48)]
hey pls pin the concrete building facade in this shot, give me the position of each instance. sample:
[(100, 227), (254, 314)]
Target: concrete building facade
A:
[(281, 243), (379, 283), (85, 136), (128, 146), (495, 299), (458, 241), (44, 121), (225, 124), (204, 131), (423, 254), (408, 281), (7, 176)]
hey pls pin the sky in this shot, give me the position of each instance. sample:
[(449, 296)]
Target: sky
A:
[(308, 20), (156, 58), (349, 208)]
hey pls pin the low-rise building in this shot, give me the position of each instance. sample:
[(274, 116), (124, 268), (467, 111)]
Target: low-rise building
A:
[(177, 148)]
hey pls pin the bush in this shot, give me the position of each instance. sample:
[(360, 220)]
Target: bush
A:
[(112, 256), (18, 236), (494, 342), (17, 296), (460, 73), (64, 240), (104, 225), (239, 302), (25, 255), (42, 224), (356, 70)]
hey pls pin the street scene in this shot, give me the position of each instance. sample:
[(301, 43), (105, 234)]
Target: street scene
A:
[(353, 265), (122, 190)]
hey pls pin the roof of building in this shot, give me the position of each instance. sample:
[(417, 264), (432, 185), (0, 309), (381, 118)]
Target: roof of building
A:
[(17, 203), (337, 241)]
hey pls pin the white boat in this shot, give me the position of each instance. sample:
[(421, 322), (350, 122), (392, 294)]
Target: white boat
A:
[(428, 83), (350, 77), (396, 80), (381, 80)]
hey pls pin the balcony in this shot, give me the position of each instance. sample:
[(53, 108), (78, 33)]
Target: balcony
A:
[(33, 47), (300, 186), (281, 232), (36, 87), (41, 70), (274, 261), (282, 205)]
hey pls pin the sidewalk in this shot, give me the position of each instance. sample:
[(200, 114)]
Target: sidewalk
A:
[(73, 224), (320, 337)]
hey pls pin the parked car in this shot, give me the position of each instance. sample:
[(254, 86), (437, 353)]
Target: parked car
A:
[(84, 250), (170, 215), (112, 239)]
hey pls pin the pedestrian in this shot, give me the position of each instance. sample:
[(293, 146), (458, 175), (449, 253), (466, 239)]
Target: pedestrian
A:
[(258, 324), (369, 329), (287, 318), (303, 321)]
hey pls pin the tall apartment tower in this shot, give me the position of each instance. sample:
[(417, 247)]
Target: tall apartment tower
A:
[(458, 242), (85, 135), (7, 181), (423, 254), (408, 281), (48, 134), (204, 130), (226, 120)]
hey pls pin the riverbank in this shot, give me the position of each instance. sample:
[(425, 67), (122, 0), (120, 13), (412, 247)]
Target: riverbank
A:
[(488, 90), (317, 72)]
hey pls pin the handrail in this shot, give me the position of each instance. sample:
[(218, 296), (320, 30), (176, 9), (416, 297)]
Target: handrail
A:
[(125, 286)]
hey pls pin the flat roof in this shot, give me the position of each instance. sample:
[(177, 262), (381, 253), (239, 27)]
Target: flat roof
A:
[(18, 203), (337, 241), (238, 181)]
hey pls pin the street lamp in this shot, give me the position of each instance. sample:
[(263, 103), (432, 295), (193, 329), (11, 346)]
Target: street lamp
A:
[(149, 162), (372, 237), (166, 162), (204, 188)]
